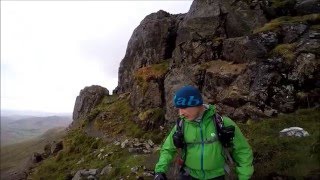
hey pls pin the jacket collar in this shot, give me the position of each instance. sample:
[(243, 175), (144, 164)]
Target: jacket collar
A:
[(208, 112)]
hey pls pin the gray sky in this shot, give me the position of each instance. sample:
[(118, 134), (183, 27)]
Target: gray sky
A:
[(50, 50)]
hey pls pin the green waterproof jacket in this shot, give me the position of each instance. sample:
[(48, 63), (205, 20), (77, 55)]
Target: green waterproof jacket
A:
[(206, 160)]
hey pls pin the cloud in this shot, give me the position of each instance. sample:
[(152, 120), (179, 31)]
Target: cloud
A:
[(50, 50)]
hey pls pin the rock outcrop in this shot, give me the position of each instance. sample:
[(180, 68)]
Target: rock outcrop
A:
[(152, 42), (88, 98), (247, 66)]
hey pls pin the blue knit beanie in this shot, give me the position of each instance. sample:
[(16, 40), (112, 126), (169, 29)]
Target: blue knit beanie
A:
[(187, 96)]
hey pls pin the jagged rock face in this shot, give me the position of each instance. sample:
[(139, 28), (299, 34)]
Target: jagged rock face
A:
[(88, 98), (213, 47), (208, 19), (151, 98), (173, 81), (242, 50), (152, 42)]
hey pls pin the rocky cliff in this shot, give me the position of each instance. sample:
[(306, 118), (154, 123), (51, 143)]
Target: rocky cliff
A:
[(252, 59)]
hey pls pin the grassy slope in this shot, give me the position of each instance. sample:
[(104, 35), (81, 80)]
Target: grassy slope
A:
[(295, 157), (13, 155), (285, 155), (79, 146)]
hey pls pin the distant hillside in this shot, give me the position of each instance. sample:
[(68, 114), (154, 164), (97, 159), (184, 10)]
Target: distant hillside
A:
[(20, 113), (14, 130), (14, 157)]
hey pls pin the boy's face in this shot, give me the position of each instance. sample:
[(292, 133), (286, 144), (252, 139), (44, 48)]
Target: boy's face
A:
[(190, 113)]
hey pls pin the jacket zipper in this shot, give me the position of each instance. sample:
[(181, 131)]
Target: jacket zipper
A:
[(202, 150)]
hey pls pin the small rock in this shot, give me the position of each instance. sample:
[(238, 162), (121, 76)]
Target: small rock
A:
[(124, 143), (57, 147), (134, 170), (137, 144), (294, 131), (80, 161), (36, 157), (91, 177), (270, 112), (147, 174), (93, 171), (108, 154), (84, 172), (155, 149), (117, 143), (146, 151), (132, 150), (147, 146), (150, 142), (77, 176), (106, 169), (47, 150)]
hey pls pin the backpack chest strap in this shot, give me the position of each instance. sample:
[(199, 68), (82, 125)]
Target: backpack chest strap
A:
[(210, 141)]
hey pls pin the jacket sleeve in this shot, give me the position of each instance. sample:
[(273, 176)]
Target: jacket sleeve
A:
[(167, 154), (241, 153)]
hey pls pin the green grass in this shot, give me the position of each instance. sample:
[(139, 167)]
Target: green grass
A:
[(78, 146), (275, 24), (145, 74), (315, 27), (13, 155), (283, 3), (285, 155), (118, 117), (286, 51), (119, 120), (290, 156)]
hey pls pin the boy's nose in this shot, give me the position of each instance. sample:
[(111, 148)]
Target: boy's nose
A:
[(181, 112)]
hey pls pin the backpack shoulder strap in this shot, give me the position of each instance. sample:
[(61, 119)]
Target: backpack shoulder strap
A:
[(179, 125), (218, 120)]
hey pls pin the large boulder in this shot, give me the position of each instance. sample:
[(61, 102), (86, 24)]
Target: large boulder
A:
[(243, 49), (36, 157), (152, 42), (150, 97), (219, 76), (208, 19), (197, 51), (304, 68), (307, 6), (88, 99), (292, 32)]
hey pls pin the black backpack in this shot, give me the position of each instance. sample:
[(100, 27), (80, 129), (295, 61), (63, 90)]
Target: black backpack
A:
[(225, 134)]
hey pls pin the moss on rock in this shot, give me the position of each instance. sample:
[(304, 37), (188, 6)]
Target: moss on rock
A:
[(285, 51), (275, 24), (155, 71)]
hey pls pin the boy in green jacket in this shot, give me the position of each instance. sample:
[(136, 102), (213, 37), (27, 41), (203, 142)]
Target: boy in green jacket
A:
[(203, 151)]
